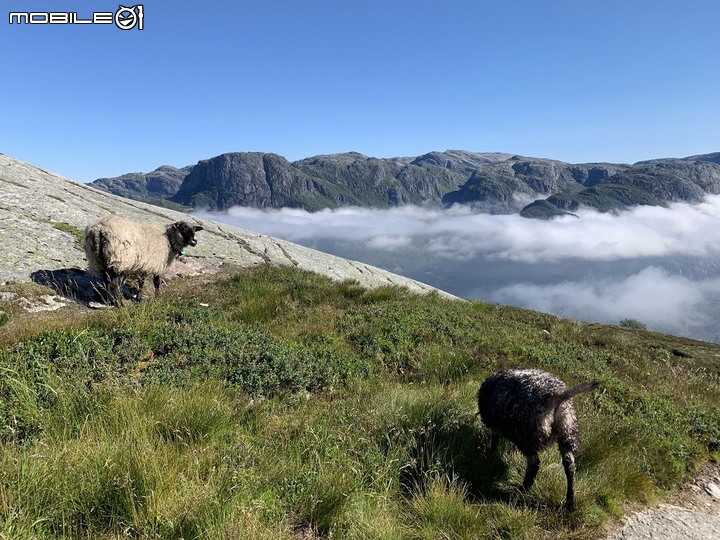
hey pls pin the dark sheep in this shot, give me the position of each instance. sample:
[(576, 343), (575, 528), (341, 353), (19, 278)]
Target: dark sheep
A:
[(533, 409)]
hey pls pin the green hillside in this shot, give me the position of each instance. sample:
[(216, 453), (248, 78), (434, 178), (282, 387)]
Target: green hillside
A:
[(274, 403)]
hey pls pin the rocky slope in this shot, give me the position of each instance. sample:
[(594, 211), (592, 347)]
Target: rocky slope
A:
[(42, 216), (491, 182)]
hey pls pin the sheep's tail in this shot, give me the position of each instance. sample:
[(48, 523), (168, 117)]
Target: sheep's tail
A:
[(583, 388)]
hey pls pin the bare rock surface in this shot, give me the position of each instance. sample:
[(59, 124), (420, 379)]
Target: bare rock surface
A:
[(42, 216), (693, 514)]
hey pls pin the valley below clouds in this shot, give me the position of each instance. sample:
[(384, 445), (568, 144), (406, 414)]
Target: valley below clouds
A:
[(657, 265)]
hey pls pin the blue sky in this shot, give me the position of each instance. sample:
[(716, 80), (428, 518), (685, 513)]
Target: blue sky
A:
[(572, 80)]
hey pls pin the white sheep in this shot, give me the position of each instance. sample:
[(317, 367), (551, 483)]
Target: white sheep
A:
[(117, 249)]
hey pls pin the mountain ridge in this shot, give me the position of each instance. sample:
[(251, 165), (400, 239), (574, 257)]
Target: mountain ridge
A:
[(492, 182)]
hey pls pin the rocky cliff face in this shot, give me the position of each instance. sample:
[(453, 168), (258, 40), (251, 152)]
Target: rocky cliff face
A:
[(42, 216), (249, 178)]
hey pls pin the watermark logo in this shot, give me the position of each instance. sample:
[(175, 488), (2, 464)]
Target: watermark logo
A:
[(125, 18)]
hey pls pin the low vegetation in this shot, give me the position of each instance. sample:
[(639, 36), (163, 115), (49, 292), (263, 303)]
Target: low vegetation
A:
[(632, 323), (77, 234), (274, 403)]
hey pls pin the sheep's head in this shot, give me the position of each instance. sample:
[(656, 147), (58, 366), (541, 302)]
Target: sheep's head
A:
[(182, 234)]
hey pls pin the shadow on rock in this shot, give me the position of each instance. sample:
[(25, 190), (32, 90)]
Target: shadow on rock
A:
[(73, 284)]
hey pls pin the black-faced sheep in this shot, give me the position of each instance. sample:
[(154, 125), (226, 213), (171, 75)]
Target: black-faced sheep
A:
[(117, 249), (533, 409)]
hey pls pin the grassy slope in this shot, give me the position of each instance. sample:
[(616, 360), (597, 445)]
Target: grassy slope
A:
[(277, 404)]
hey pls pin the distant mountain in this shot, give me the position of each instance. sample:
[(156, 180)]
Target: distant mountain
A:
[(328, 181), (491, 182), (654, 183), (154, 187), (713, 158), (507, 186)]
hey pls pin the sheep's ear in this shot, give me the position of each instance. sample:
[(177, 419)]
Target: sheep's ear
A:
[(197, 228)]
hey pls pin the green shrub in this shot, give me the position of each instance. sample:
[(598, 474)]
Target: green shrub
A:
[(633, 323)]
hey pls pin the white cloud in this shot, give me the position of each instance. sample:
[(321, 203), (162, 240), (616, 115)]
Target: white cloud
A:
[(657, 265), (653, 296), (458, 233), (389, 241)]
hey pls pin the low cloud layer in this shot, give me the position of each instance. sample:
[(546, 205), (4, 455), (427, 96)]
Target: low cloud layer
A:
[(657, 265), (665, 302), (456, 233)]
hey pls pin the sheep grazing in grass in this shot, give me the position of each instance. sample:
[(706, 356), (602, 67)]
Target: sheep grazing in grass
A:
[(533, 409), (117, 249)]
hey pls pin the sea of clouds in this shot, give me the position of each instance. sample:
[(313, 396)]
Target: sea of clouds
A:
[(658, 265)]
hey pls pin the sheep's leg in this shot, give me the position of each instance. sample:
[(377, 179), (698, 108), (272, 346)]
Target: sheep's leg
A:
[(568, 459), (156, 283), (141, 289), (533, 465), (494, 442), (141, 284), (113, 284)]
